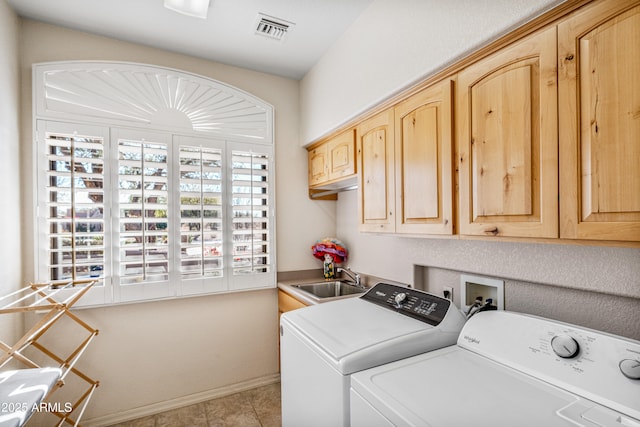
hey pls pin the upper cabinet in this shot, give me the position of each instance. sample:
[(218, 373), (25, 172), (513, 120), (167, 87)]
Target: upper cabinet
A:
[(318, 165), (508, 143), (342, 159), (542, 141), (423, 161), (376, 191), (332, 160), (599, 94)]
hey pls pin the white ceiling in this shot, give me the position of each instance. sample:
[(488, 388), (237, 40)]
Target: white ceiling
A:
[(227, 35)]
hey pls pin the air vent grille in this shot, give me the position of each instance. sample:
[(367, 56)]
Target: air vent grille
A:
[(273, 28)]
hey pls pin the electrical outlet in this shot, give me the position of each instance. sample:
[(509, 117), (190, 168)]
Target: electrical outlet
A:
[(447, 291)]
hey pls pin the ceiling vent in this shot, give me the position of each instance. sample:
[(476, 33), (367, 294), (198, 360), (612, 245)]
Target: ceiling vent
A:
[(273, 28)]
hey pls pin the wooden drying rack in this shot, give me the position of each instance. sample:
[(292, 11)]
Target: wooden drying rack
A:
[(44, 300)]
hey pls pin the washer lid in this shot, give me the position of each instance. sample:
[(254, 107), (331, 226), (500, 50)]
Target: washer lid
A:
[(345, 327)]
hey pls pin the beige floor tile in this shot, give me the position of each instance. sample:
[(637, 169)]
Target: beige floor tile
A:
[(266, 402), (259, 407), (189, 416), (234, 410), (149, 421)]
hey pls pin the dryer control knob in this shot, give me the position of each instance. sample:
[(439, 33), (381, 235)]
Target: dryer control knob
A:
[(565, 346), (630, 368), (400, 299)]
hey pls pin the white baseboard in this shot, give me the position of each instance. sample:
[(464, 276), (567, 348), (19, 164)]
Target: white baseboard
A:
[(180, 402)]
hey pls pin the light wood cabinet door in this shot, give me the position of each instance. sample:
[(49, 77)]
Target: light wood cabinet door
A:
[(332, 160), (342, 158), (287, 303), (599, 95), (508, 141), (423, 161), (318, 165), (376, 193)]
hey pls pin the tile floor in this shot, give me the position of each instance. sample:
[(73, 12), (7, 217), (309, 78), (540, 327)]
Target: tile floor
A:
[(259, 407)]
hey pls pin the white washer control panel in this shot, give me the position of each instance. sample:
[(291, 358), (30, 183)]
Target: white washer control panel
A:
[(600, 367)]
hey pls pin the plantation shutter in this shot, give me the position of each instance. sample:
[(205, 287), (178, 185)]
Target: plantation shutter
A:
[(150, 215), (75, 206), (143, 256), (251, 205), (72, 204), (202, 246)]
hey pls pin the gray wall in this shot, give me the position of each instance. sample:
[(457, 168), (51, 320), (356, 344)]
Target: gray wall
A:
[(592, 286), (595, 310)]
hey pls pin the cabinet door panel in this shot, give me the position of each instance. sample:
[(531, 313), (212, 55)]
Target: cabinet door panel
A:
[(318, 168), (600, 92), (374, 147), (342, 158), (502, 143), (375, 162), (507, 152), (424, 167), (420, 163), (288, 303)]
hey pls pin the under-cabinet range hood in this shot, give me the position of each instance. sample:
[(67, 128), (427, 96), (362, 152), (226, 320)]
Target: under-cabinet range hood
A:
[(330, 191)]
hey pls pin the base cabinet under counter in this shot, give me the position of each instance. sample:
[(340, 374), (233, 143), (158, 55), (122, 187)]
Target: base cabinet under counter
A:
[(287, 303)]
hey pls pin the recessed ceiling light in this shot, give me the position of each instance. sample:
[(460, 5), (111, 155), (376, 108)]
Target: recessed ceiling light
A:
[(195, 8)]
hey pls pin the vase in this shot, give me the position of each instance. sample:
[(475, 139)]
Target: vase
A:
[(329, 270)]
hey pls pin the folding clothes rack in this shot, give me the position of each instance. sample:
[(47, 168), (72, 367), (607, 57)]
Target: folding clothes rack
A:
[(47, 301)]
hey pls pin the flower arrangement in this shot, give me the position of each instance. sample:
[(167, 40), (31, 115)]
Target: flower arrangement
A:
[(331, 251)]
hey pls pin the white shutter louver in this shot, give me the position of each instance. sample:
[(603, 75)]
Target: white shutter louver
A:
[(250, 207), (75, 206), (201, 213), (143, 207)]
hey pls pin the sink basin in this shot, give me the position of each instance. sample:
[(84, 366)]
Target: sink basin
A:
[(331, 289)]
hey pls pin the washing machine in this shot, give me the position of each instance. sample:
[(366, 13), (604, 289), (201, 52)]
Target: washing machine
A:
[(507, 369), (321, 346)]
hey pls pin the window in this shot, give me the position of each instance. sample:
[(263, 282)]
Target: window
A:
[(143, 205), (251, 216), (250, 219), (154, 182), (201, 212), (153, 215), (75, 209)]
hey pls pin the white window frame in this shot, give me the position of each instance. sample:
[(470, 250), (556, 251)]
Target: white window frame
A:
[(55, 113)]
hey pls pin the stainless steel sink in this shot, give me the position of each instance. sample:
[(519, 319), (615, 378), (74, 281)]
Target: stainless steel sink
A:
[(333, 289)]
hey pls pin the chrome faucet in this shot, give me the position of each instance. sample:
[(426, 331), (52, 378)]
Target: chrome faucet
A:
[(355, 277)]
